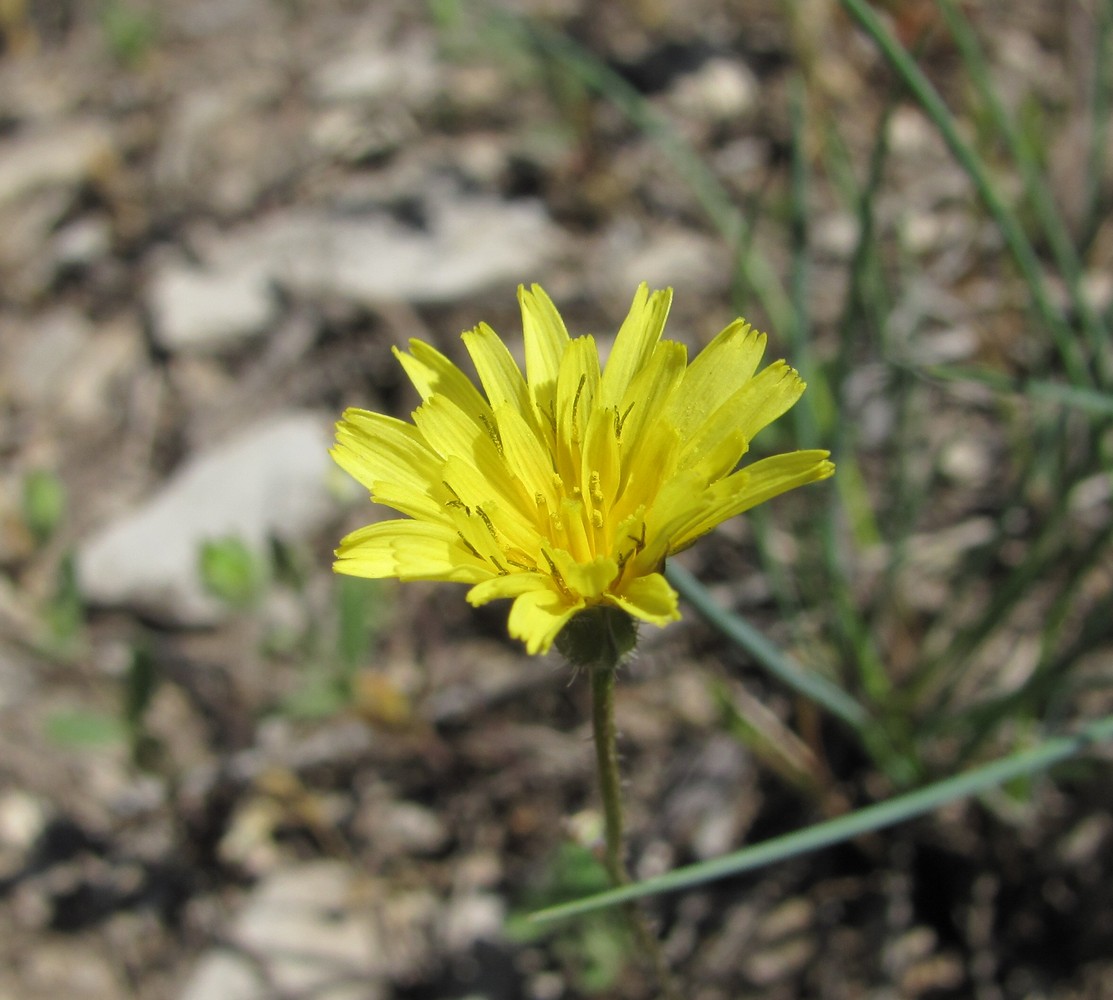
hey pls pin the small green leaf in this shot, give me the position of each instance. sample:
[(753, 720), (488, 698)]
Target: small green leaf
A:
[(84, 728), (318, 698), (130, 32), (232, 572), (44, 503)]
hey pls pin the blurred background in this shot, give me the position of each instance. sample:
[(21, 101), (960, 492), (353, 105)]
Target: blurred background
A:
[(226, 773)]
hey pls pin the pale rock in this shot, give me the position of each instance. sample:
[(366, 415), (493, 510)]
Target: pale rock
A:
[(744, 160), (225, 974), (954, 343), (932, 231), (53, 157), (302, 932), (223, 146), (721, 90), (675, 258), (305, 923), (22, 818), (83, 242), (45, 355), (26, 263), (271, 480), (202, 310), (404, 828), (835, 235), (70, 967), (379, 72), (470, 245), (41, 172), (967, 461), (351, 134), (471, 918), (207, 18), (910, 132), (20, 814)]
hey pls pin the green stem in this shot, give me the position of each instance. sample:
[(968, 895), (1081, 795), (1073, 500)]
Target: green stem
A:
[(603, 674), (606, 763)]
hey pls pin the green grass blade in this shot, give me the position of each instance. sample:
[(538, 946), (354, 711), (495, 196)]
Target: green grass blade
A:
[(1092, 402), (1007, 222), (819, 409), (1035, 188), (876, 817), (783, 667)]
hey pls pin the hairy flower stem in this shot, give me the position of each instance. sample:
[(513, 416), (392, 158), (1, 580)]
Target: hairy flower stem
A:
[(606, 762)]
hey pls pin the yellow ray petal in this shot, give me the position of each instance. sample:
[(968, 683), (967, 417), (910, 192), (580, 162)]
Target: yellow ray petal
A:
[(433, 374), (645, 401), (527, 458), (409, 550), (509, 586), (577, 384), (638, 335), (715, 375), (537, 618), (498, 372), (419, 503), (546, 340), (759, 402), (601, 468), (651, 599), (588, 580), (451, 433), (750, 486), (372, 447)]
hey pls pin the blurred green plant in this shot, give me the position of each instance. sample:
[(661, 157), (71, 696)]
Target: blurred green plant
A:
[(130, 31), (233, 572), (333, 649), (337, 652), (44, 504), (595, 950), (76, 728)]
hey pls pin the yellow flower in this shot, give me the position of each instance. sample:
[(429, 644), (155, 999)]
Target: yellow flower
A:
[(568, 488)]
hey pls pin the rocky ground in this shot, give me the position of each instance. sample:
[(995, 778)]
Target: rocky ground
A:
[(215, 220)]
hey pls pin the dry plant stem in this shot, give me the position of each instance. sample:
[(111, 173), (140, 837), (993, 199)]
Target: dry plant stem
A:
[(606, 761)]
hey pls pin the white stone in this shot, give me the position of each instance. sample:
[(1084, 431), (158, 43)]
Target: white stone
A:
[(202, 310), (45, 355), (405, 73), (22, 818), (83, 242), (478, 916), (405, 828), (271, 480), (62, 156), (471, 244), (224, 974), (304, 931), (721, 90), (675, 258)]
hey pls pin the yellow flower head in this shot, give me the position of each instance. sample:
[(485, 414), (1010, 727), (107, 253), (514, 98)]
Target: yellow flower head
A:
[(568, 488)]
